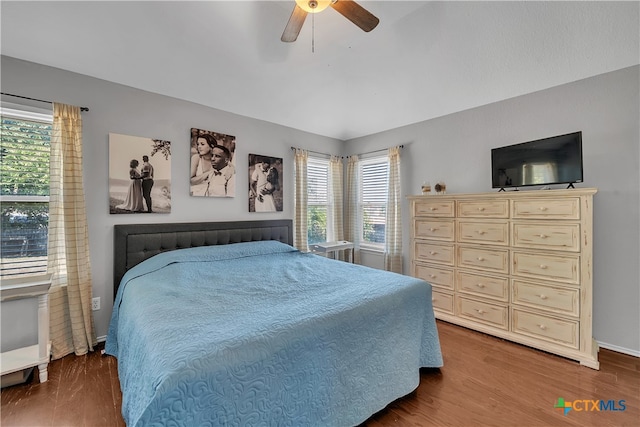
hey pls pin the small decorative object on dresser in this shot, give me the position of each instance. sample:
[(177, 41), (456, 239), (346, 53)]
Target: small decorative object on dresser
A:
[(426, 187), (517, 265), (440, 187)]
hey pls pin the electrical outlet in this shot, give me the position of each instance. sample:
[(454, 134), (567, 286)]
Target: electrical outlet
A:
[(95, 304)]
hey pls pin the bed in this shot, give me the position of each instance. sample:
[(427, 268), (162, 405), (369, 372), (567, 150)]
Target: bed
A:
[(228, 324)]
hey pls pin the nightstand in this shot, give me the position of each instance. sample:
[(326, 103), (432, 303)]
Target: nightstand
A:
[(38, 354), (333, 247)]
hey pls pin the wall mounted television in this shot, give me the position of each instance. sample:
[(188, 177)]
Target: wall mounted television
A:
[(554, 160)]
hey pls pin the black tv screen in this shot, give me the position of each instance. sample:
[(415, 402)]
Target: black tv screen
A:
[(554, 160)]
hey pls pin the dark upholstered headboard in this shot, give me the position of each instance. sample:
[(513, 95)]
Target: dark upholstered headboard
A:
[(133, 243)]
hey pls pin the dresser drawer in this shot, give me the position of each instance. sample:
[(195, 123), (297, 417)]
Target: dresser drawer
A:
[(434, 207), (440, 254), (495, 233), (442, 277), (562, 237), (564, 268), (559, 331), (442, 301), (484, 312), (568, 208), (435, 229), (485, 286), (561, 300), (489, 259), (483, 209)]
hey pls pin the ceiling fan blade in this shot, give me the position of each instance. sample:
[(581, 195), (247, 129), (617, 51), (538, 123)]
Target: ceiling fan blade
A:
[(356, 14), (294, 25)]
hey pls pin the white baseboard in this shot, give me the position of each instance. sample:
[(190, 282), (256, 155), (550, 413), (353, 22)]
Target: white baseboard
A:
[(102, 338), (619, 349)]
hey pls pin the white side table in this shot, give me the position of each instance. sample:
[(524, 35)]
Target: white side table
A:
[(333, 247), (38, 354)]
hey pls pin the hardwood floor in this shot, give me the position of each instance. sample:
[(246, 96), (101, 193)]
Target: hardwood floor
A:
[(485, 382)]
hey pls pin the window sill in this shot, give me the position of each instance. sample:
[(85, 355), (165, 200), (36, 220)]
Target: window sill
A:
[(372, 249)]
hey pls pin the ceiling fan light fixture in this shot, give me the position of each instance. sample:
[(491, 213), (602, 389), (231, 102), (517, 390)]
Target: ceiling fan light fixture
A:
[(313, 6)]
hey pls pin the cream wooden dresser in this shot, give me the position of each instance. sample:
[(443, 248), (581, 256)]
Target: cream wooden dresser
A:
[(516, 264)]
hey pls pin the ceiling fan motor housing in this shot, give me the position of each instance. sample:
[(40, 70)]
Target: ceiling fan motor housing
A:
[(313, 6)]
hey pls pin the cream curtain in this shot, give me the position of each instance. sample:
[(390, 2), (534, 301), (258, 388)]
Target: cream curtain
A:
[(300, 240), (351, 229), (393, 227), (71, 320), (336, 173)]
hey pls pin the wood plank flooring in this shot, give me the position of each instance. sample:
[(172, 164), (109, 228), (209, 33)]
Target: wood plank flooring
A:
[(485, 382)]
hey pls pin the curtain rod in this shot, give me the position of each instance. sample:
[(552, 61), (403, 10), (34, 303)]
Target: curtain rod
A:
[(35, 99), (315, 152), (359, 154), (376, 151)]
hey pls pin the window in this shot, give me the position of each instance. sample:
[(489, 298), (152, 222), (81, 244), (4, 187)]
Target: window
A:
[(24, 191), (318, 201), (374, 177)]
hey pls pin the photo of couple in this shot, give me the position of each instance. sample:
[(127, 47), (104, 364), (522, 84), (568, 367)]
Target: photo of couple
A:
[(147, 186), (213, 171), (265, 183)]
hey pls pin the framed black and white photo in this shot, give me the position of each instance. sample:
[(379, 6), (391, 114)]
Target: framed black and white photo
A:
[(213, 170), (139, 175), (265, 183)]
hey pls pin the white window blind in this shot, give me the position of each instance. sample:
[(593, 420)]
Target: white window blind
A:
[(24, 192), (318, 199), (374, 177)]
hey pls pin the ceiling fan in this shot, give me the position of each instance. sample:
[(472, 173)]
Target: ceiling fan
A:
[(347, 8)]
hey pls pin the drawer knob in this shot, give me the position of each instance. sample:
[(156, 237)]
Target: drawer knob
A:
[(480, 232), (433, 276), (433, 209), (543, 236), (480, 285), (481, 209), (542, 266), (480, 311), (542, 327), (432, 229), (543, 296), (433, 300), (480, 258), (433, 252), (543, 208)]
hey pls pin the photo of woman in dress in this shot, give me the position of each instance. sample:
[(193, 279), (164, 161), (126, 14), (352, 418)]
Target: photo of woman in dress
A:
[(265, 189), (133, 201), (201, 164), (139, 175), (212, 164)]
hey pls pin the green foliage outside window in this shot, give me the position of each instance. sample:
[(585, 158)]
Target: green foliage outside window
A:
[(24, 157), (24, 229), (372, 230), (24, 184), (317, 224)]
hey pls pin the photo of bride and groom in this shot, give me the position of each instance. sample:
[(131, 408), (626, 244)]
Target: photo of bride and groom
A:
[(139, 175)]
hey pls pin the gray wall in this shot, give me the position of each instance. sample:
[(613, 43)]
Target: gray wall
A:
[(120, 109), (453, 148), (456, 149)]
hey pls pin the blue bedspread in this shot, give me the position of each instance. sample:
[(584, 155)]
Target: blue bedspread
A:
[(262, 334)]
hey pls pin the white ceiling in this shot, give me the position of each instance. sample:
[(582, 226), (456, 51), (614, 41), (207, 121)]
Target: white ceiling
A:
[(425, 59)]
